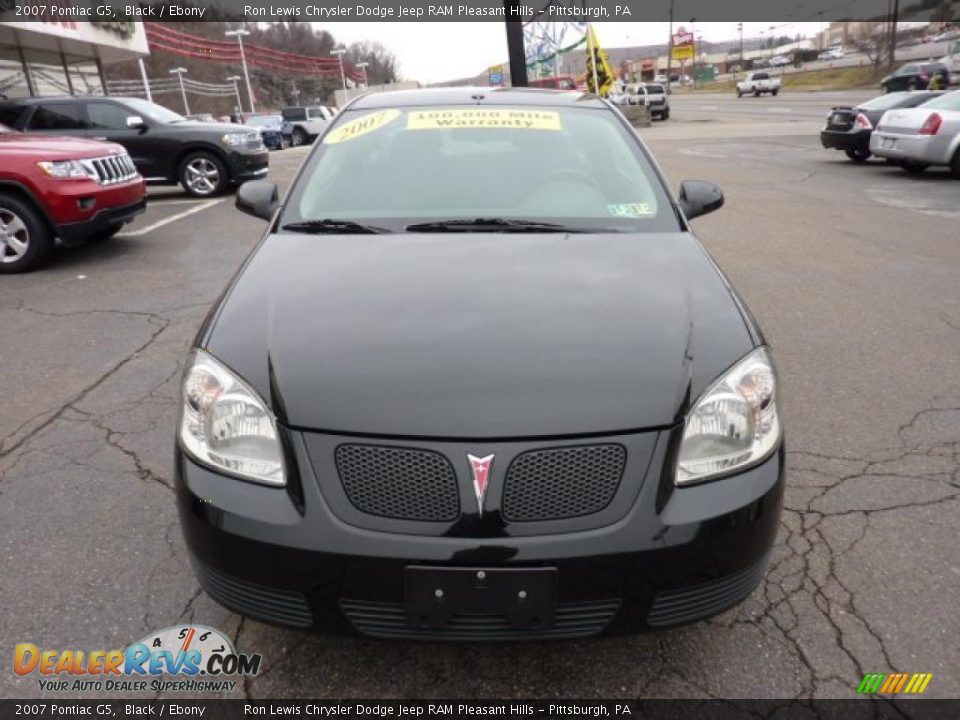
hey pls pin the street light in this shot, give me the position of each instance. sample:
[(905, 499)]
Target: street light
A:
[(363, 66), (239, 35), (183, 93), (235, 79), (339, 52), (772, 28)]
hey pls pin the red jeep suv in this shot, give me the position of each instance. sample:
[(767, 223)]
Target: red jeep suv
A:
[(60, 187)]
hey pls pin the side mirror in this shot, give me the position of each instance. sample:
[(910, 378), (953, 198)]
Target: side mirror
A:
[(258, 198), (698, 197), (135, 122)]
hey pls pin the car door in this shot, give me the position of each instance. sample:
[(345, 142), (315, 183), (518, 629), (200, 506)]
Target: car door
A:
[(908, 73), (108, 121), (58, 117), (316, 121)]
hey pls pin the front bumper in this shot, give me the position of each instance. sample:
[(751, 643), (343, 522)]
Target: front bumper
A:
[(661, 556), (843, 140), (101, 221), (245, 164)]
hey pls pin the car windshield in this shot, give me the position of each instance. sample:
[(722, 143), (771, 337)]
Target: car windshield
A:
[(655, 89), (950, 101), (157, 113), (263, 121), (393, 167)]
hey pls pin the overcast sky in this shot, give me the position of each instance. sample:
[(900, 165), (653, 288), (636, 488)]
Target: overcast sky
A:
[(436, 51)]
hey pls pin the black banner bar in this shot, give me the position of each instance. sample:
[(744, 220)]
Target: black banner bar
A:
[(783, 11), (861, 709)]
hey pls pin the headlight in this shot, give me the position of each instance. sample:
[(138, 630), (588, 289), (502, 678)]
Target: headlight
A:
[(734, 424), (241, 138), (225, 425), (68, 170)]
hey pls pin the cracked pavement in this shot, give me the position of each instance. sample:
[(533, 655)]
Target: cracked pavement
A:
[(859, 300)]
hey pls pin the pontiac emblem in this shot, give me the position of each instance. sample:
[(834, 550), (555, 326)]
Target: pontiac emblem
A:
[(480, 467)]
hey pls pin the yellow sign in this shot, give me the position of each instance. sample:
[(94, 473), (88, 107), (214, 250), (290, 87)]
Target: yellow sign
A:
[(360, 126), (682, 52), (483, 118)]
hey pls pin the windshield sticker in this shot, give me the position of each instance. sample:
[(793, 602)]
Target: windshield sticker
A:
[(630, 210), (483, 118), (360, 126)]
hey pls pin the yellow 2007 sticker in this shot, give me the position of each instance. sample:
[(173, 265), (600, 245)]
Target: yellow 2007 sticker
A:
[(483, 118), (361, 126)]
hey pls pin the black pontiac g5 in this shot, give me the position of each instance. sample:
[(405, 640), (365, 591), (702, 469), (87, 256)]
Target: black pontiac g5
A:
[(479, 381)]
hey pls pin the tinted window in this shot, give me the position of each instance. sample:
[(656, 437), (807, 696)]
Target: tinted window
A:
[(575, 166), (10, 114), (655, 89), (58, 116), (761, 76), (314, 113), (908, 70), (107, 116), (294, 114)]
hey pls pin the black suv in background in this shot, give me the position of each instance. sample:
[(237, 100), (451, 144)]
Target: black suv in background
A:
[(206, 158), (917, 76)]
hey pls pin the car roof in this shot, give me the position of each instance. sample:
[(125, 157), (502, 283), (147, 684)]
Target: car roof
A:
[(70, 98), (469, 96)]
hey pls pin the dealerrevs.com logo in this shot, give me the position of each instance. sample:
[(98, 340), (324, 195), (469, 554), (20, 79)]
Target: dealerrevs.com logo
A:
[(199, 659)]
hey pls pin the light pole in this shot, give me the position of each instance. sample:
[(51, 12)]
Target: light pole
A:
[(339, 52), (183, 93), (772, 28), (363, 66), (239, 35), (235, 79)]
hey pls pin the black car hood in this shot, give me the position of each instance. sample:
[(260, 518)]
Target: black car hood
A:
[(479, 335)]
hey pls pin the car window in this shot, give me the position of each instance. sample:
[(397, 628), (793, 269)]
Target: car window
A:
[(108, 116), (11, 114), (58, 116), (294, 114), (151, 111), (950, 101), (885, 102), (655, 89), (575, 166), (908, 70), (314, 113), (761, 76)]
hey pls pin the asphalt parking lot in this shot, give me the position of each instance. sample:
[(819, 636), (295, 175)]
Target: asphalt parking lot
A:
[(852, 271)]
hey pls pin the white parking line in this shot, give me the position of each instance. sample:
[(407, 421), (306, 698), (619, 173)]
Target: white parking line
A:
[(172, 218), (709, 107), (780, 110)]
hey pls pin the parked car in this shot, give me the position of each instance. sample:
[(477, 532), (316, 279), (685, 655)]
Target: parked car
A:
[(74, 189), (662, 79), (849, 128), (916, 76), (558, 82), (833, 53), (206, 158), (780, 61), (920, 137), (531, 451), (758, 83), (304, 123), (654, 95), (271, 130)]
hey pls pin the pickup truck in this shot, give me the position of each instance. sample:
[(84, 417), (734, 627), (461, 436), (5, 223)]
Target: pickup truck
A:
[(758, 83)]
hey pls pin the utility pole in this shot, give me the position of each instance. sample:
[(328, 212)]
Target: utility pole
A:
[(740, 28), (239, 35), (670, 48), (146, 83), (516, 53), (183, 93), (235, 79), (893, 32)]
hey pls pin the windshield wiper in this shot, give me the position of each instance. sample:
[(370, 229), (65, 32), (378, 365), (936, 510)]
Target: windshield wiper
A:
[(333, 226), (489, 225)]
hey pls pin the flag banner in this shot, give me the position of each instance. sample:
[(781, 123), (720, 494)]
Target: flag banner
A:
[(600, 74)]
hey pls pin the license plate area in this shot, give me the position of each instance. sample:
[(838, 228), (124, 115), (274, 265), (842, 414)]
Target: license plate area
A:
[(526, 597)]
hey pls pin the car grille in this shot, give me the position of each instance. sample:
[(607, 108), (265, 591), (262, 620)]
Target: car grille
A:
[(113, 169), (277, 606), (700, 601), (389, 620), (563, 482), (399, 483)]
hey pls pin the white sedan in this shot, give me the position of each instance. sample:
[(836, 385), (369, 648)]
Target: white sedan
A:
[(917, 138)]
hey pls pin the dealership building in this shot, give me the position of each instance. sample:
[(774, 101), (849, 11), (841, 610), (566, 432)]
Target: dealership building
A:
[(63, 57)]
